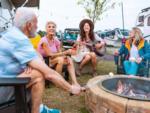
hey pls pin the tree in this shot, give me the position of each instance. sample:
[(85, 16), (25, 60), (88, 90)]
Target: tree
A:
[(95, 8)]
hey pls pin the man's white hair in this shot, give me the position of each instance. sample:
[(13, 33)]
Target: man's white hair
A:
[(22, 16)]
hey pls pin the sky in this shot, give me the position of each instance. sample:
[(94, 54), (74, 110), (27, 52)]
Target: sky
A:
[(66, 13)]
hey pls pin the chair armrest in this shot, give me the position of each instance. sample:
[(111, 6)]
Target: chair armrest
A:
[(119, 59), (14, 81), (19, 85), (116, 58)]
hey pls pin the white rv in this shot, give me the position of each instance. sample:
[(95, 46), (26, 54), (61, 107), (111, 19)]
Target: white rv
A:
[(114, 37), (7, 10), (143, 22)]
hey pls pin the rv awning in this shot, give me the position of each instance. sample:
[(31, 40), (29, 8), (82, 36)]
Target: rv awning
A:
[(30, 3)]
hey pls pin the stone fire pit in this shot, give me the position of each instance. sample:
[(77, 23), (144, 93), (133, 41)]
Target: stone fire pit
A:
[(100, 101)]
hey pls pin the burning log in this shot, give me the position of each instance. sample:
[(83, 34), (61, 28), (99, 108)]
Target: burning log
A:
[(129, 90)]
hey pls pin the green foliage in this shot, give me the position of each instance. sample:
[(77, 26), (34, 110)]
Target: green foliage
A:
[(41, 33), (95, 8)]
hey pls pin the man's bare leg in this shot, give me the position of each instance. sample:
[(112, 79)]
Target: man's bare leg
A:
[(37, 88)]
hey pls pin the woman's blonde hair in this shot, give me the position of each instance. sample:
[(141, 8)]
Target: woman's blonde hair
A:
[(138, 34)]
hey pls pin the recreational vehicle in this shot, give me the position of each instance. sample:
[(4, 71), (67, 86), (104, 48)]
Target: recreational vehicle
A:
[(143, 22), (7, 10), (114, 37)]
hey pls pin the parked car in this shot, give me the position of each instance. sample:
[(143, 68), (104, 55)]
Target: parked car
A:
[(114, 37), (70, 36)]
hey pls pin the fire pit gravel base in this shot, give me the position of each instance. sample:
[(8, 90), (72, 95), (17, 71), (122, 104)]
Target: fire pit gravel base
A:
[(99, 101)]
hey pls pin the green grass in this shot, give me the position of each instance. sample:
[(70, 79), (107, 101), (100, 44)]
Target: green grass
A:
[(57, 98), (105, 67)]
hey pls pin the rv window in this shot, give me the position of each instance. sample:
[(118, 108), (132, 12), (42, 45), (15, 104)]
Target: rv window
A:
[(141, 19), (148, 21)]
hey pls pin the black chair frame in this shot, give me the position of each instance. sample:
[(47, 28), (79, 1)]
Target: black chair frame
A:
[(19, 104)]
